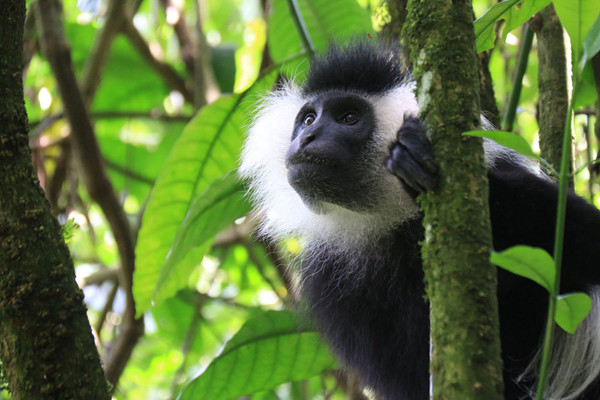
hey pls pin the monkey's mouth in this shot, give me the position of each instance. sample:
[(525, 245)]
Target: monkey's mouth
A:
[(305, 158)]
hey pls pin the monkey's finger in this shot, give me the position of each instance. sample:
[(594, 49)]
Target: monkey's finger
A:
[(411, 135), (402, 164)]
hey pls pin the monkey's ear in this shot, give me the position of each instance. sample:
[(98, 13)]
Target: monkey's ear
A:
[(411, 158)]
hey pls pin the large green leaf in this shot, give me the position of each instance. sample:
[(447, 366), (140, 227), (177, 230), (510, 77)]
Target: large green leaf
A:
[(213, 210), (529, 262), (135, 150), (325, 20), (591, 43), (506, 139), (484, 25), (578, 17), (207, 149), (269, 350), (571, 310), (514, 12), (520, 14)]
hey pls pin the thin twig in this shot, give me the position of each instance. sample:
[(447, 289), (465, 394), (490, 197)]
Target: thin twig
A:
[(128, 173), (164, 70), (41, 125), (92, 70)]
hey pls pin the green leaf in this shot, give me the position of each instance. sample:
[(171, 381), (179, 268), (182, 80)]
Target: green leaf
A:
[(269, 350), (577, 17), (529, 262), (585, 95), (207, 149), (215, 209), (506, 139), (69, 229), (520, 14), (325, 20), (571, 310), (484, 25), (135, 150), (591, 44)]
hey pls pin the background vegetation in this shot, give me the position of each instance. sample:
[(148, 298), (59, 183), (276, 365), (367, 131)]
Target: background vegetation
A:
[(170, 86)]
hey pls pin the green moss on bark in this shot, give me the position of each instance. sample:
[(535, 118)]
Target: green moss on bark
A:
[(461, 284), (46, 345), (552, 82)]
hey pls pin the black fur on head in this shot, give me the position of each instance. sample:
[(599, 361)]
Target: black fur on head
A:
[(366, 65)]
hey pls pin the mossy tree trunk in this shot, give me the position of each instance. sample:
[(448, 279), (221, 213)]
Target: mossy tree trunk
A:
[(461, 284), (46, 345), (552, 82)]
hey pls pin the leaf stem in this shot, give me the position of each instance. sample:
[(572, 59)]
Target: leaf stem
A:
[(301, 26), (563, 181), (511, 108)]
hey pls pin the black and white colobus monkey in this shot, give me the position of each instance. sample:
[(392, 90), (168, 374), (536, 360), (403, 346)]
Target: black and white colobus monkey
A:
[(338, 161)]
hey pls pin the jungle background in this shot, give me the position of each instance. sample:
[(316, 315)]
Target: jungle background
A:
[(157, 223)]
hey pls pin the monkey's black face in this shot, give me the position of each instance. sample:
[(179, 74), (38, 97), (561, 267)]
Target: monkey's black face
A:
[(325, 159)]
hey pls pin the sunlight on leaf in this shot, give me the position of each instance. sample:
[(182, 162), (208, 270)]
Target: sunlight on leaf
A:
[(207, 149), (507, 139), (69, 229), (484, 25), (591, 44), (517, 16), (577, 17), (529, 262), (571, 310), (325, 20), (215, 209), (269, 350)]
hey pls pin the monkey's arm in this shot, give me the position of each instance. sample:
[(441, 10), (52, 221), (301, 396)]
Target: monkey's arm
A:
[(522, 204)]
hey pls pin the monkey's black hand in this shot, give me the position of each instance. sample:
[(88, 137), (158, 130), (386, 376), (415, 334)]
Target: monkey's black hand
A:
[(411, 157)]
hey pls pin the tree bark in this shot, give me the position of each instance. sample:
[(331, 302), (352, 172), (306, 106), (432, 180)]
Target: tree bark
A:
[(552, 82), (46, 345), (461, 284), (489, 108), (397, 10)]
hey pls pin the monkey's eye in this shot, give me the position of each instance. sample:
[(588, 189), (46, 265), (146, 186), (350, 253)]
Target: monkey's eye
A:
[(349, 118), (309, 119)]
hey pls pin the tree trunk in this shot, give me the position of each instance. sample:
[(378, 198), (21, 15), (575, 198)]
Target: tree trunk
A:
[(552, 82), (461, 284), (46, 345)]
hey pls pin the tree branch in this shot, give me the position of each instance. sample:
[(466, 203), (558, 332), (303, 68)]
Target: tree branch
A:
[(40, 126), (92, 70), (164, 70), (458, 240), (58, 53), (552, 81), (187, 47)]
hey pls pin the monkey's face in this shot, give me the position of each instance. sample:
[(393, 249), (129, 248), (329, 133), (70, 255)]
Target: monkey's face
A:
[(326, 159)]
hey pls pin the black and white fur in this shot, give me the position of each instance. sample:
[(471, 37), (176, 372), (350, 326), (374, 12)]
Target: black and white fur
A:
[(361, 265)]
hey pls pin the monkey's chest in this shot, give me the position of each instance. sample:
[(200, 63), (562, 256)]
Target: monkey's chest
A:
[(375, 318)]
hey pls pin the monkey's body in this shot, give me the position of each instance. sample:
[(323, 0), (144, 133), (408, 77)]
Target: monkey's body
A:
[(378, 321), (361, 266)]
